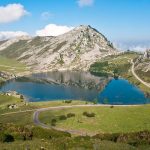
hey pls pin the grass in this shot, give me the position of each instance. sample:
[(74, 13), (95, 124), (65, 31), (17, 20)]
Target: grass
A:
[(63, 144), (117, 119), (25, 117), (11, 65), (118, 65), (7, 100), (106, 120)]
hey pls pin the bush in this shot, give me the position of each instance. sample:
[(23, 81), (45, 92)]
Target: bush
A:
[(70, 115), (87, 114), (53, 122), (5, 137), (68, 101), (134, 139), (48, 133), (62, 117), (111, 106)]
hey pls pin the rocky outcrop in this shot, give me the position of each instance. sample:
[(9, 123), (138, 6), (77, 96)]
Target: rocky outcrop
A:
[(143, 62), (147, 54), (75, 50), (142, 66), (6, 76)]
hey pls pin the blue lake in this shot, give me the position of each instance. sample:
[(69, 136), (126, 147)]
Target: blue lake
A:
[(77, 86)]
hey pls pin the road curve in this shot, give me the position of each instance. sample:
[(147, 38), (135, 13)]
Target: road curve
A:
[(77, 132), (137, 77)]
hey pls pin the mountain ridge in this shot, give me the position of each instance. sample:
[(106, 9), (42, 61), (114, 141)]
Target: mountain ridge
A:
[(74, 50)]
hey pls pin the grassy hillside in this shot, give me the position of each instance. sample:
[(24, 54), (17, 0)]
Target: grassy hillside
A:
[(19, 129), (106, 119), (111, 65), (118, 66), (11, 65), (63, 144)]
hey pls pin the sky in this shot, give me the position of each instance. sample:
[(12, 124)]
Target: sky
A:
[(126, 23)]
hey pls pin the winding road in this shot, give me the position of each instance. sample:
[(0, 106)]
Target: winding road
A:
[(76, 132), (37, 112), (83, 133), (137, 77)]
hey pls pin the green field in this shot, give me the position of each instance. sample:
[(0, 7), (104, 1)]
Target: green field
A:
[(106, 120), (24, 118)]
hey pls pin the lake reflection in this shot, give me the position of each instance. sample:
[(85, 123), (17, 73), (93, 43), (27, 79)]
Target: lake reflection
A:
[(76, 86)]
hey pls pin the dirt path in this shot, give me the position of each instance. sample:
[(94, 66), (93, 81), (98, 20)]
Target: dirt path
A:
[(17, 112), (137, 77)]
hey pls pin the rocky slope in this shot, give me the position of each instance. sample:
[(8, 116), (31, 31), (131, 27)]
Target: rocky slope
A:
[(75, 50), (143, 62), (142, 66)]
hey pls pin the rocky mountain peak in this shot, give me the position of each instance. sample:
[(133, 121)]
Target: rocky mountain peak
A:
[(74, 50)]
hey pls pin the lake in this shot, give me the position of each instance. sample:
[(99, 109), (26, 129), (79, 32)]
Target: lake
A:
[(77, 86)]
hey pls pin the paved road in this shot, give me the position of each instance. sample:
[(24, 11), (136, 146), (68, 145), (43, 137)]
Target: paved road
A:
[(137, 77)]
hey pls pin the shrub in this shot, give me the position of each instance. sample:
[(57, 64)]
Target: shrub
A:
[(68, 101), (87, 114), (53, 122), (62, 117), (134, 138), (70, 115), (5, 137), (48, 133), (111, 106)]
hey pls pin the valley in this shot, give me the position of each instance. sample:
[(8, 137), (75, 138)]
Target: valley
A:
[(76, 86)]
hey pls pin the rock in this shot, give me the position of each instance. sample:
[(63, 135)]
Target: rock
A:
[(75, 50)]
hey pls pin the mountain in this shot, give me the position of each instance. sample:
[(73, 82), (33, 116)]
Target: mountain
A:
[(142, 66), (75, 50), (143, 62)]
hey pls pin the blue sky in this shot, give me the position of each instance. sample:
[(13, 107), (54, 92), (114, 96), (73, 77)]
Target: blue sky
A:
[(125, 22)]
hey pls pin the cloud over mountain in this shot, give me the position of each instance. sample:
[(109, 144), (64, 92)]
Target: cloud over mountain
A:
[(4, 35), (53, 30)]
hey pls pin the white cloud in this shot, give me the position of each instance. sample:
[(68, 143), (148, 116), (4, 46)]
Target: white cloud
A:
[(83, 3), (46, 15), (53, 30), (134, 46), (4, 35), (12, 12)]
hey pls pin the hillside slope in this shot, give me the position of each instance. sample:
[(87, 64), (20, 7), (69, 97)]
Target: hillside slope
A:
[(142, 66), (75, 50)]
